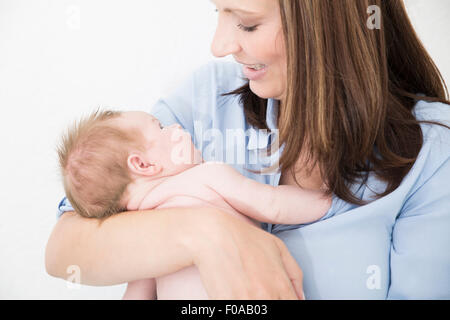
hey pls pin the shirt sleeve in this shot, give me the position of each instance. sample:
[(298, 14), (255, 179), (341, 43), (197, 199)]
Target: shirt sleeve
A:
[(63, 206), (420, 255)]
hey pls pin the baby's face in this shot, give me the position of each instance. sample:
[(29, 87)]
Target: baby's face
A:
[(171, 147)]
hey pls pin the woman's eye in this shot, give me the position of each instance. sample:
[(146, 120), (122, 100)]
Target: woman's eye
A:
[(247, 29), (241, 26)]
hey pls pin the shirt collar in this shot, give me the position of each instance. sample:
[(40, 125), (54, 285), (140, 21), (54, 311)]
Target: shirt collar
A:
[(259, 139)]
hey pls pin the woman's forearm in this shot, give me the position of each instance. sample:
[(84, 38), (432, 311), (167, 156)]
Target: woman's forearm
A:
[(236, 260), (125, 247)]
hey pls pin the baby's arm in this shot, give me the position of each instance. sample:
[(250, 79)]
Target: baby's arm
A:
[(264, 203), (141, 290)]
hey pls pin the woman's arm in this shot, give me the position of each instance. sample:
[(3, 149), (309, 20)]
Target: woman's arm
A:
[(122, 248), (235, 260)]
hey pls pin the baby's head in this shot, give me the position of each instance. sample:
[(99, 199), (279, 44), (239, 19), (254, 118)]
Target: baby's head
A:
[(103, 154)]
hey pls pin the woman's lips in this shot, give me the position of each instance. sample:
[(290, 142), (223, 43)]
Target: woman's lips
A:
[(253, 74)]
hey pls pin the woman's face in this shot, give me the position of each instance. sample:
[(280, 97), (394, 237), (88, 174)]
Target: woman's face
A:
[(251, 31)]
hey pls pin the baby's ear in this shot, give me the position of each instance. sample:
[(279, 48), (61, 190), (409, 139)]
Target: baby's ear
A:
[(140, 166)]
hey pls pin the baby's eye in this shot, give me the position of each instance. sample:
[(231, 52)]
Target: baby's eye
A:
[(159, 123)]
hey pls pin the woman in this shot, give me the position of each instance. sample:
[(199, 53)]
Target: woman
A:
[(355, 108)]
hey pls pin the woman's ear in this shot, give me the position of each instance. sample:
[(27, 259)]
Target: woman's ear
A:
[(141, 167)]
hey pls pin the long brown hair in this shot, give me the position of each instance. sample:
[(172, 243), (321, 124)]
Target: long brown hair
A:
[(354, 88)]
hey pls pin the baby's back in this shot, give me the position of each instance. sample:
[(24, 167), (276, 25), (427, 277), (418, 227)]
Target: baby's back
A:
[(186, 284)]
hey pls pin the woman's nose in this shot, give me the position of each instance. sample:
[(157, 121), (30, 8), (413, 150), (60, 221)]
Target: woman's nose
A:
[(224, 42)]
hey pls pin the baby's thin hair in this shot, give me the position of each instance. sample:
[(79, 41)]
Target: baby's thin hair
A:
[(93, 162)]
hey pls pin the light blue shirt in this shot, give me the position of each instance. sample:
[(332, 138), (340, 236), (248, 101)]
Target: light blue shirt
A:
[(396, 247)]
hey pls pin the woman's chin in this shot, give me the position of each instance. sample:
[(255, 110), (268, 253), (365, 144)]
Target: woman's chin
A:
[(264, 91)]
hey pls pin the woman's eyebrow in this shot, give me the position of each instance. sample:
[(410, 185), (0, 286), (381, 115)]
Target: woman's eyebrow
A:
[(233, 10)]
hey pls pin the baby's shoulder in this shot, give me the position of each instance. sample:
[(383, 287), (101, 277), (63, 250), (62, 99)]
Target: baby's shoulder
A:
[(205, 169), (185, 187)]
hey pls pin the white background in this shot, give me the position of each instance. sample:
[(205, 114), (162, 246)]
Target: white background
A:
[(60, 59)]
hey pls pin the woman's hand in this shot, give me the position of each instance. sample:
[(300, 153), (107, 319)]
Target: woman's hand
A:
[(239, 261)]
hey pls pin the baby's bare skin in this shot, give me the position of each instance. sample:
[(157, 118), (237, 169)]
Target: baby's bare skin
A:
[(169, 172), (221, 186), (186, 284), (184, 191), (160, 167)]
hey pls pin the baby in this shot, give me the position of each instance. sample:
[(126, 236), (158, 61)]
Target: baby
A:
[(113, 162)]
